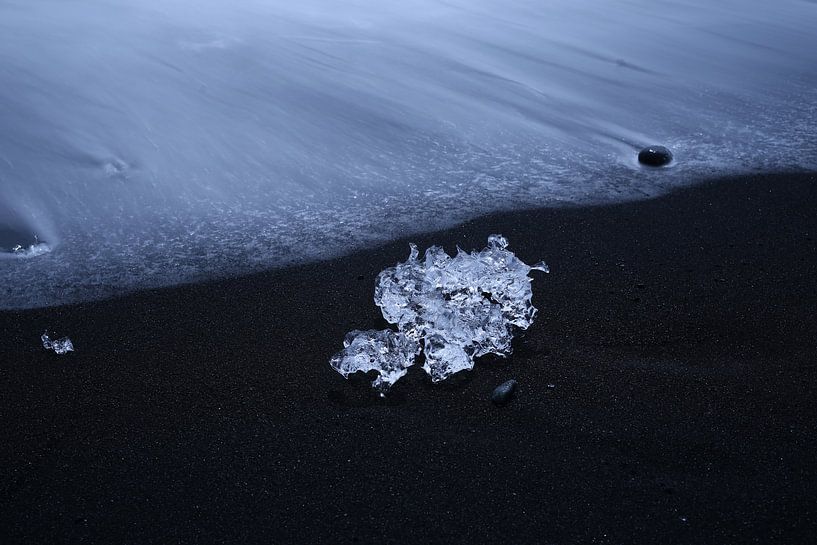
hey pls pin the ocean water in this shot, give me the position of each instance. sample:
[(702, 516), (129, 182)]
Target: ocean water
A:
[(152, 142)]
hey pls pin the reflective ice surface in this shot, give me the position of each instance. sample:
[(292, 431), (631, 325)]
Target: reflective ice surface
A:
[(150, 142), (60, 346), (387, 352), (457, 308)]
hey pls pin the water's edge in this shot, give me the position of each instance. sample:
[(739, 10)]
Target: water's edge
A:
[(434, 234)]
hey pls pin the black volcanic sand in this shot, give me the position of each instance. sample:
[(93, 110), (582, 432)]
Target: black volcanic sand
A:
[(666, 395)]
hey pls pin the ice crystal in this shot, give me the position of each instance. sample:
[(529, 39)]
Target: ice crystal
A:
[(387, 352), (456, 308), (60, 346)]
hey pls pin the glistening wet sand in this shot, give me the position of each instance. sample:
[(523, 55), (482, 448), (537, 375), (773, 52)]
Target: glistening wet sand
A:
[(666, 395)]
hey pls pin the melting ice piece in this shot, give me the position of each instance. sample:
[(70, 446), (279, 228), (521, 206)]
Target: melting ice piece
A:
[(387, 352), (462, 307), (457, 308), (18, 243), (60, 346), (31, 251)]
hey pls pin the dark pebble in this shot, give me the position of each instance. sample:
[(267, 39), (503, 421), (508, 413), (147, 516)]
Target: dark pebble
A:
[(504, 392), (654, 156)]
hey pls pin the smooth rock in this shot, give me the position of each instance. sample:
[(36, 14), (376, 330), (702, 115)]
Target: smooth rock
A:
[(654, 156), (504, 392)]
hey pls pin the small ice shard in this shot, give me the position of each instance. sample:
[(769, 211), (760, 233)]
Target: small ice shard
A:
[(30, 248), (32, 251), (60, 346), (457, 308), (387, 352)]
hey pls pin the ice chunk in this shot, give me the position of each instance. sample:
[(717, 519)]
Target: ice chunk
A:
[(60, 346), (387, 352), (457, 308), (18, 242), (463, 307), (32, 251)]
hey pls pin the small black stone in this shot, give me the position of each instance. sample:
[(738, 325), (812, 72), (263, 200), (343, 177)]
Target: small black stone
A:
[(654, 156), (504, 392)]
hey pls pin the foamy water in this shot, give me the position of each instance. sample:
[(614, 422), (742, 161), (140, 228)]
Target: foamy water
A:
[(151, 142)]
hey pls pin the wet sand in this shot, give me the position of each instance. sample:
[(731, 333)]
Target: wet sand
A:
[(666, 395)]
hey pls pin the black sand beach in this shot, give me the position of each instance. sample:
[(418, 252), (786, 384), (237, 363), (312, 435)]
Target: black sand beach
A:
[(667, 395)]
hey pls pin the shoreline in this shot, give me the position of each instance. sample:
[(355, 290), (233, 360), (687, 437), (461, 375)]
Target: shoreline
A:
[(666, 394)]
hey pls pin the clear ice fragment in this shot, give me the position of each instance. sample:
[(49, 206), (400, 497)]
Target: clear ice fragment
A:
[(60, 346), (387, 352), (457, 308), (34, 250)]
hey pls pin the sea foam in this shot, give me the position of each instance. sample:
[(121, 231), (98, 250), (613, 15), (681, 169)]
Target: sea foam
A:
[(149, 143)]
